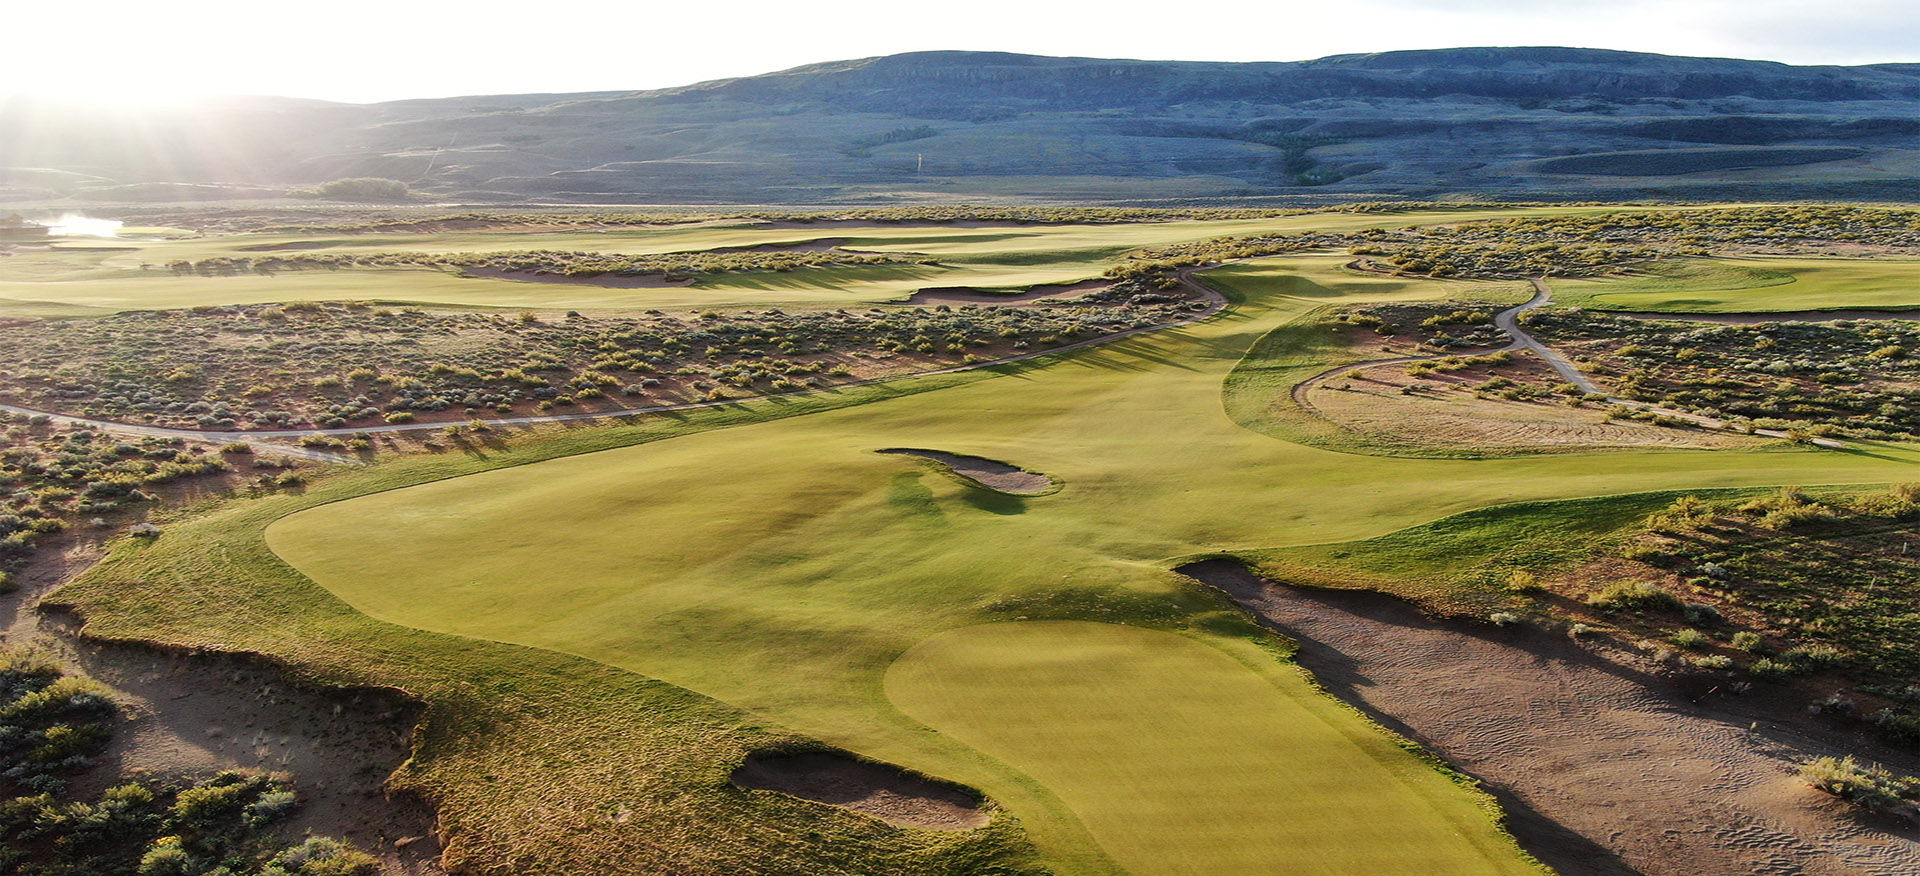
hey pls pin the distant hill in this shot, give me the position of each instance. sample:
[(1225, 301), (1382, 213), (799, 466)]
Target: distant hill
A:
[(1507, 122)]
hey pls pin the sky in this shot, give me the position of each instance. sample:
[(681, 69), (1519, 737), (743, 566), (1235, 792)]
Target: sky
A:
[(145, 52)]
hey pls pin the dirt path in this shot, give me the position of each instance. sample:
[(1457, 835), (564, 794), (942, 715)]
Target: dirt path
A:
[(1604, 769)]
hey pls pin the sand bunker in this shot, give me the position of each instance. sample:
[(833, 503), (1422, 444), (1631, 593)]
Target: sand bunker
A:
[(992, 474), (963, 295), (1606, 767), (823, 244), (882, 791), (610, 281)]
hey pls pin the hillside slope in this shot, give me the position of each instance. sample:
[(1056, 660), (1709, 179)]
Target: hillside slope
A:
[(961, 125)]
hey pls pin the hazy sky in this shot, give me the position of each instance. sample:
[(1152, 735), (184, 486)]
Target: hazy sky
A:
[(369, 50)]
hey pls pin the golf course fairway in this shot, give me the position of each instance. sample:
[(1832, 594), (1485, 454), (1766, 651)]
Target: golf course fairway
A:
[(784, 566), (1181, 759)]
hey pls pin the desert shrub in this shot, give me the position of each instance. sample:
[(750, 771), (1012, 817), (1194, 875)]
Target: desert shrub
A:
[(1504, 618), (1787, 509), (1702, 615), (1772, 669), (1522, 582), (1713, 661), (322, 856), (1900, 727), (1634, 596), (1749, 641), (1816, 656), (1689, 640), (1870, 787)]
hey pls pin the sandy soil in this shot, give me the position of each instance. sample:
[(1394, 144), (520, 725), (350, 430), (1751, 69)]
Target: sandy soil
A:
[(961, 295), (821, 245), (192, 715), (886, 793), (1447, 414), (610, 281), (1604, 765), (992, 474)]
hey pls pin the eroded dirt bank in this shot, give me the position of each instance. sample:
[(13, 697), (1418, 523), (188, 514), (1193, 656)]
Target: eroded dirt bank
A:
[(192, 715), (1604, 768)]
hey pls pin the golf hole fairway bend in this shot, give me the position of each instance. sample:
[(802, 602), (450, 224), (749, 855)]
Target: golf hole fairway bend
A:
[(1181, 758)]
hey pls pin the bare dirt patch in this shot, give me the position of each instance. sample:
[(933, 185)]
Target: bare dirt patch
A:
[(1386, 404), (989, 473), (190, 715), (962, 295), (610, 281), (1604, 765), (882, 791)]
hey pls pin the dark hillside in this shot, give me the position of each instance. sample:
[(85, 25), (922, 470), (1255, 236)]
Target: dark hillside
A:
[(1507, 122)]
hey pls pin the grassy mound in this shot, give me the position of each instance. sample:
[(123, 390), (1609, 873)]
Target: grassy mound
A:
[(1170, 751)]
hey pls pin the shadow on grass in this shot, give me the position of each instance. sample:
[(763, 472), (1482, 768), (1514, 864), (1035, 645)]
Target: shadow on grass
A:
[(995, 502)]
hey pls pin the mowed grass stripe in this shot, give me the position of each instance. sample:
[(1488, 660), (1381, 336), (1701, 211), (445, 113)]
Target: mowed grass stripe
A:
[(1752, 285), (1183, 761)]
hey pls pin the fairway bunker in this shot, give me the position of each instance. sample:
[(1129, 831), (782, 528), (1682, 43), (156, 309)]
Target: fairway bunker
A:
[(1605, 765), (610, 281), (967, 295), (992, 474), (883, 791)]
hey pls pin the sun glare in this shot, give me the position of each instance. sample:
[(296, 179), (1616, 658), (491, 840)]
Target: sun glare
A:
[(102, 89)]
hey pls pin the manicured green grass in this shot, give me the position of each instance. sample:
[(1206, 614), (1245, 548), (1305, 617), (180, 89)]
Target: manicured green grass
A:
[(783, 566), (1184, 758), (991, 257), (1752, 285)]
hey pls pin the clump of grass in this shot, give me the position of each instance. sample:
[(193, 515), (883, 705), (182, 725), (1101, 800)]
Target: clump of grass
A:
[(1789, 508), (1504, 618), (1634, 596), (1799, 661), (1689, 640), (1522, 582), (1749, 641), (1869, 787), (1899, 502)]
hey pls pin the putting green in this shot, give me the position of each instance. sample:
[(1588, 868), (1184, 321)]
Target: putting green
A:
[(783, 566), (1181, 759), (1749, 285)]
